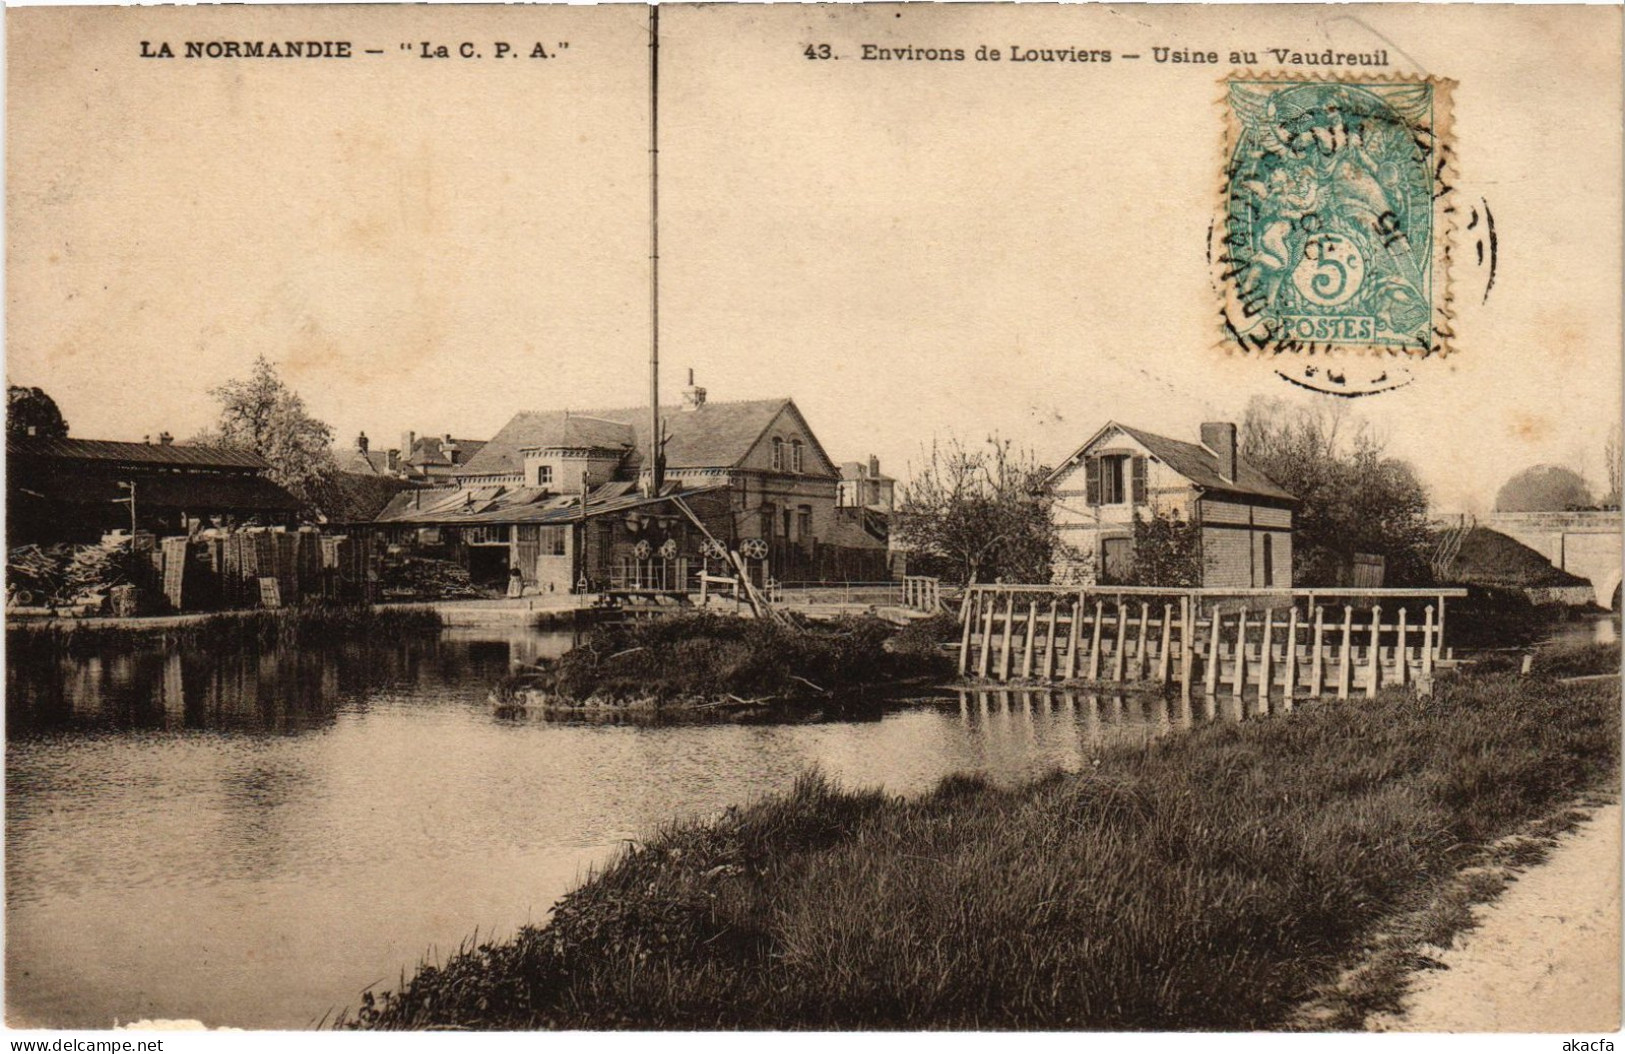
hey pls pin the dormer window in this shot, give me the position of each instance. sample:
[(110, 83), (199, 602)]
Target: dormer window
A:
[(544, 475), (778, 454), (795, 455), (1110, 477)]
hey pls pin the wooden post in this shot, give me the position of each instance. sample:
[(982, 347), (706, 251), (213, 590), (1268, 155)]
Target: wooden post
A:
[(1374, 660), (1291, 655), (1094, 644), (1031, 640), (1344, 671), (1399, 652), (1167, 638), (1211, 674), (1264, 672), (1074, 638), (1427, 648), (1240, 677), (1439, 652), (1139, 648), (1187, 646), (1009, 625), (1049, 640), (990, 604), (1122, 639), (1315, 666), (969, 616)]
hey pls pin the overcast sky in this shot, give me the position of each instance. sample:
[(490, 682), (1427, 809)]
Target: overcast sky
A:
[(908, 249)]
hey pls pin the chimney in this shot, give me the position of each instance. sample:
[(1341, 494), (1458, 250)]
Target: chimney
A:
[(693, 396), (874, 467), (448, 447), (147, 439), (1220, 437), (361, 442), (392, 460), (408, 443), (165, 439)]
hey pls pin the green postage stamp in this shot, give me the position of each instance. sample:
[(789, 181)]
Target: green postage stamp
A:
[(1335, 225)]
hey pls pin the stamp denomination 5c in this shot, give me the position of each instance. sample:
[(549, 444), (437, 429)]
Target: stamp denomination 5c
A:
[(1334, 230)]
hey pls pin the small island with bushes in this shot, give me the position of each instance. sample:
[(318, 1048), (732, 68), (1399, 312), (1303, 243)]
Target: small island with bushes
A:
[(705, 663)]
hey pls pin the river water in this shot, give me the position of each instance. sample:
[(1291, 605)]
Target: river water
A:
[(251, 839)]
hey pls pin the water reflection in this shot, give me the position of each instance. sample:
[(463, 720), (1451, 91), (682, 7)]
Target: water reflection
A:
[(1096, 720), (250, 837), (275, 690)]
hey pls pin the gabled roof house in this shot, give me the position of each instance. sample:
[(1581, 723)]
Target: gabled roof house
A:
[(1245, 518), (749, 470)]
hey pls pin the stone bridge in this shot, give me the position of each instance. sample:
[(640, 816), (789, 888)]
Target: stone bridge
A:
[(1584, 543)]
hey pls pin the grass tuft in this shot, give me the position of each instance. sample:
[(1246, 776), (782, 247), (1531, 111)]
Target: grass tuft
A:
[(1216, 880)]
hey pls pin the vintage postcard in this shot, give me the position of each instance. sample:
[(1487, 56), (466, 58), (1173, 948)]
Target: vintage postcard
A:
[(853, 517)]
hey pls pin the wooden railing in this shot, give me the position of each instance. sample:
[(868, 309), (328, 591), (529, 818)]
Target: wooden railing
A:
[(1251, 639), (922, 593)]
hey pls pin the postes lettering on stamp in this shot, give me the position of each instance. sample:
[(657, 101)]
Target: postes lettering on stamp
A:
[(1334, 228)]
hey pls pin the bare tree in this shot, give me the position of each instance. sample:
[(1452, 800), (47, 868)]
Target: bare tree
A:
[(1611, 451), (978, 513)]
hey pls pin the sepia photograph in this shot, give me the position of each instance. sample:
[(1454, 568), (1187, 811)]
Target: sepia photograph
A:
[(908, 518)]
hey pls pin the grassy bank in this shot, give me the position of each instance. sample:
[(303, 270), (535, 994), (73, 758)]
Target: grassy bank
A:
[(699, 659), (1213, 880), (307, 624)]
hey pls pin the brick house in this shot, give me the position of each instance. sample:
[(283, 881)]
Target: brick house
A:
[(1244, 517), (748, 470), (421, 459)]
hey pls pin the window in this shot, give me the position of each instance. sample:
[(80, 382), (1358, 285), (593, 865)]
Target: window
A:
[(544, 475), (1110, 473), (769, 518), (778, 454), (804, 523), (1114, 479), (784, 529), (553, 541), (486, 534), (1269, 561), (795, 455)]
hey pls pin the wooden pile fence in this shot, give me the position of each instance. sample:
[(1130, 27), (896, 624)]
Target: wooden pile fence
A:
[(1263, 640)]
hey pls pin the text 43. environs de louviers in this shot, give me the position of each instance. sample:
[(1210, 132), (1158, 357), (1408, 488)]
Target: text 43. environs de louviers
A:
[(1285, 56)]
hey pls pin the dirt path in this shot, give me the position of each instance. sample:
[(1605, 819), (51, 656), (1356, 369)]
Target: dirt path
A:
[(1546, 954)]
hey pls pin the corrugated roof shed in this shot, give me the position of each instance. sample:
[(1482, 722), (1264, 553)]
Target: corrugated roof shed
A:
[(528, 505), (717, 435), (194, 492), (153, 454)]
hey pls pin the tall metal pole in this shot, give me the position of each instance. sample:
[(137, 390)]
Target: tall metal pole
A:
[(657, 467)]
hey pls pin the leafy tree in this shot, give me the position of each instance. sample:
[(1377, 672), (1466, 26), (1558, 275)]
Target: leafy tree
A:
[(1544, 488), (1353, 497), (30, 412), (973, 514), (1167, 550), (263, 415)]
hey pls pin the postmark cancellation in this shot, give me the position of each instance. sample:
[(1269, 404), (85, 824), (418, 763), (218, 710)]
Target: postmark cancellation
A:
[(1333, 232)]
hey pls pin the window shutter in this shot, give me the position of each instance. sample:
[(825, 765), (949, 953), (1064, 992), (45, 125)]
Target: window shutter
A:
[(1092, 481), (1139, 481)]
